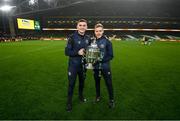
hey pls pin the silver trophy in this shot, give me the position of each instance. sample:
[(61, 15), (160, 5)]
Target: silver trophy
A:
[(92, 55)]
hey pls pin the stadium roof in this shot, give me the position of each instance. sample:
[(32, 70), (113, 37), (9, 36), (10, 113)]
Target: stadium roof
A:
[(32, 6), (164, 8)]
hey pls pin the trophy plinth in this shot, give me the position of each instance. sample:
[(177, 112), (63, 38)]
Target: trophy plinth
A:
[(89, 66)]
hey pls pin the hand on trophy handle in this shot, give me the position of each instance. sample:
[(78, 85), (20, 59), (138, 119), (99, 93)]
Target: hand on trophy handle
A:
[(101, 56), (81, 52)]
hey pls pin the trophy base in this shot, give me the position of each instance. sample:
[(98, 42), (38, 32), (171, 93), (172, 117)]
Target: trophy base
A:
[(89, 66)]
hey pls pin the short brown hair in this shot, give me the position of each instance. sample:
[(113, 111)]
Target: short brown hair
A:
[(82, 20), (98, 25)]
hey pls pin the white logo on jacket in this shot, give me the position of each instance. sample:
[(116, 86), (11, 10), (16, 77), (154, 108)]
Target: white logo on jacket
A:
[(79, 42), (87, 41), (102, 46)]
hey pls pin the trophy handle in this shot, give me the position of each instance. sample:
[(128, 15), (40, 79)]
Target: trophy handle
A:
[(101, 56)]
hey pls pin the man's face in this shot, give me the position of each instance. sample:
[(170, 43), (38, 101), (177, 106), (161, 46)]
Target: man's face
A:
[(82, 27), (98, 32)]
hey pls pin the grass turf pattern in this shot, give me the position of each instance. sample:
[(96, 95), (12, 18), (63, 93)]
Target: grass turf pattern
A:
[(33, 82)]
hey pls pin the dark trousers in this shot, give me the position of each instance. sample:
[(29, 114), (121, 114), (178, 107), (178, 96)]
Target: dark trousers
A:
[(106, 73), (72, 75)]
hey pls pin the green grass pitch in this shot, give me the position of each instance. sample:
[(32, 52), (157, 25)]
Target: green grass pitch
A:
[(33, 82)]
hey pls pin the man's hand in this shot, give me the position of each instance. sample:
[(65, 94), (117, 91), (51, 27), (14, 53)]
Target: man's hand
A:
[(81, 51)]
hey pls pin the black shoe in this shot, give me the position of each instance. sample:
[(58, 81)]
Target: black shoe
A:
[(69, 107), (82, 99), (97, 99), (111, 104)]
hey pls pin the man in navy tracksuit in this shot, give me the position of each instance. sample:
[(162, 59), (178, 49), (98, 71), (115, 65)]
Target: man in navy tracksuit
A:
[(103, 67), (75, 49)]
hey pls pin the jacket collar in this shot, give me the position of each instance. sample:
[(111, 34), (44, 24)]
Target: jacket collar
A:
[(101, 37)]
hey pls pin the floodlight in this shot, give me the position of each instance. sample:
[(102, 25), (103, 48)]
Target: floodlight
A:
[(6, 8)]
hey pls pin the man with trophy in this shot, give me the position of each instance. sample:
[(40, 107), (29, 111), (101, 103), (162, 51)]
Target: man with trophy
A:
[(85, 53), (75, 49), (98, 56)]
